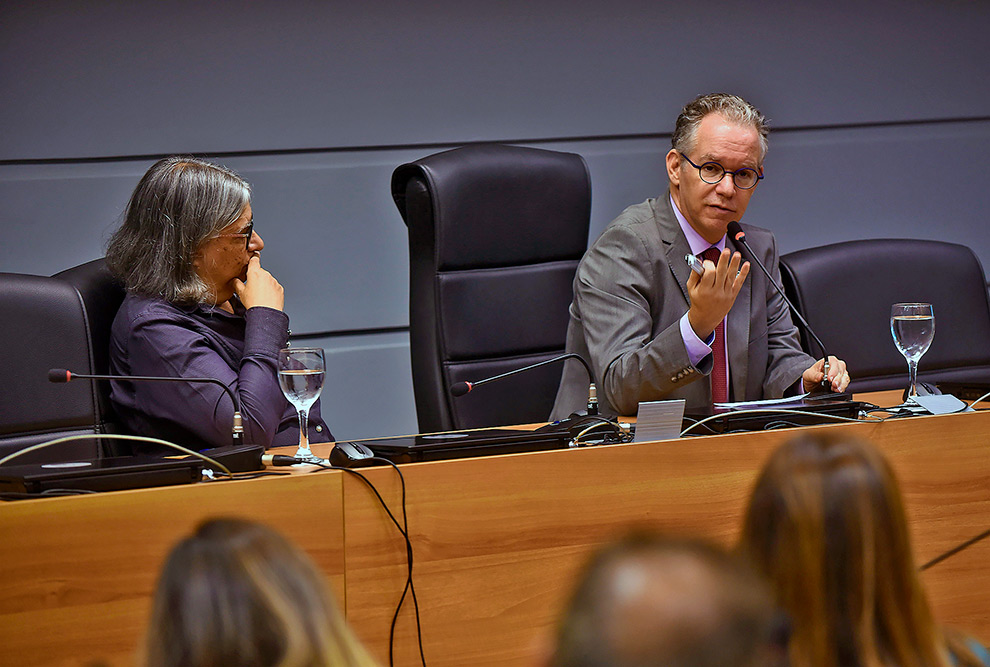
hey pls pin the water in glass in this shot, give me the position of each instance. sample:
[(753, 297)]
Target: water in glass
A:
[(913, 327), (301, 371)]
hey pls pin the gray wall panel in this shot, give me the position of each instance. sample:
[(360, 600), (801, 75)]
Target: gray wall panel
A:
[(333, 237), (336, 242), (913, 182), (111, 78), (368, 390)]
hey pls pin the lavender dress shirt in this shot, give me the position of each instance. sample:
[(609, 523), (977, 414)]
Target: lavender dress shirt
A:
[(153, 337)]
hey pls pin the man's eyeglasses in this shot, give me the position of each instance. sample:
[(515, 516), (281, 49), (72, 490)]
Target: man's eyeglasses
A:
[(247, 233), (713, 172)]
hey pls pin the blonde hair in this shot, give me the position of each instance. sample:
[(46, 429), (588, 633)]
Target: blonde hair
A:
[(238, 593)]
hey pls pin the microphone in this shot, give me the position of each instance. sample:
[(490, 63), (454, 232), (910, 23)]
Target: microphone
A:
[(735, 230), (461, 388), (237, 429)]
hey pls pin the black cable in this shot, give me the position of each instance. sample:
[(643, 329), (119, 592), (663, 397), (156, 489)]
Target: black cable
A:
[(410, 587), (953, 551), (403, 529), (255, 475), (47, 493)]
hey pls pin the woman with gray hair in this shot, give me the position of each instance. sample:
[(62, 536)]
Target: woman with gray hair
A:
[(198, 304)]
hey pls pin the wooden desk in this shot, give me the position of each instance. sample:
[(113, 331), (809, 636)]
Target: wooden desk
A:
[(497, 541), (77, 573)]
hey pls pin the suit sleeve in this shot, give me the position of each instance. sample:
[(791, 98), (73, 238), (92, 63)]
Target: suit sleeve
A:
[(633, 335)]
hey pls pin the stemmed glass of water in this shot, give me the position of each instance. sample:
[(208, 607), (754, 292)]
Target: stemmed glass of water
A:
[(300, 374), (913, 327)]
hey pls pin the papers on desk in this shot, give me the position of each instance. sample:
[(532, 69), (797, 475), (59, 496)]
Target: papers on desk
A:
[(783, 403), (659, 420)]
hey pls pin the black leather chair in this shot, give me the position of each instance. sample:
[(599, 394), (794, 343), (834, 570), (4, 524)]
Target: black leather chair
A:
[(101, 296), (495, 236), (845, 290), (44, 326)]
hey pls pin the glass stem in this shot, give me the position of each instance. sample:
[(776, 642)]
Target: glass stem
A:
[(304, 432), (913, 373)]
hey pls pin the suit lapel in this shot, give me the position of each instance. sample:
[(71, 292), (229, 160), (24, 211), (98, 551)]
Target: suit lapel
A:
[(674, 242)]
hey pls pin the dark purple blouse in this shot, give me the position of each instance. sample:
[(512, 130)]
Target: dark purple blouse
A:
[(154, 337)]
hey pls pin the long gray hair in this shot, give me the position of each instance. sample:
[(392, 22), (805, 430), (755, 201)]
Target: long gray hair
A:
[(176, 207), (732, 107)]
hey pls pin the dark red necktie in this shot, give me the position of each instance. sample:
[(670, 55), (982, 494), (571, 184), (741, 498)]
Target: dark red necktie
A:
[(720, 371)]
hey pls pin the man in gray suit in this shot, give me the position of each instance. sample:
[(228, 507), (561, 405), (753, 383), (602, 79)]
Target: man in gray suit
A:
[(652, 328)]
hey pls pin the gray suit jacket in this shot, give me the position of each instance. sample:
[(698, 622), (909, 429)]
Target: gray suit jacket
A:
[(629, 295)]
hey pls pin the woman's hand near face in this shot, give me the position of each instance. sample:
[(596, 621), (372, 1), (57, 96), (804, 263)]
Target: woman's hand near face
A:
[(260, 288)]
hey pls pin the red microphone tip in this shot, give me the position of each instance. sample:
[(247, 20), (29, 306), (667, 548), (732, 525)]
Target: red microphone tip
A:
[(59, 375)]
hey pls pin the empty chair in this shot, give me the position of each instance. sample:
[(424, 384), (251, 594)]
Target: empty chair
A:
[(845, 290), (495, 236)]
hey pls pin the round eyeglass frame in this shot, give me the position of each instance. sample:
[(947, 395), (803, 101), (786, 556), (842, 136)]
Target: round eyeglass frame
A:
[(759, 176)]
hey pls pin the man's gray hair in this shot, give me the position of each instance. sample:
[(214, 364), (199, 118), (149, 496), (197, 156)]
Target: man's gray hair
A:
[(731, 107), (178, 205)]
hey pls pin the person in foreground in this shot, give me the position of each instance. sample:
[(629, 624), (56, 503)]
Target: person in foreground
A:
[(198, 304), (654, 329), (826, 525), (236, 592), (650, 601)]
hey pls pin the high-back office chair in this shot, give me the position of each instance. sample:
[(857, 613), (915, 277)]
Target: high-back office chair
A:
[(845, 290), (495, 236), (46, 323), (101, 296)]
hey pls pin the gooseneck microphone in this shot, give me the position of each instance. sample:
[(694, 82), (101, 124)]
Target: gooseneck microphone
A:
[(735, 230), (461, 388), (237, 428)]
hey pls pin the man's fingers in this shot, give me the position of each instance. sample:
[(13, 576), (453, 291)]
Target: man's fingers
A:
[(740, 278)]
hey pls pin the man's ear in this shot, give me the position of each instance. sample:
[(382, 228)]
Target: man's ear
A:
[(674, 167)]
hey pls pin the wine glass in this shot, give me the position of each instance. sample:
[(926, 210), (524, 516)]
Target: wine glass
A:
[(300, 374), (913, 327)]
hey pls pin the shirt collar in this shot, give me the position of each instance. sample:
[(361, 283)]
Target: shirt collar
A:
[(697, 244)]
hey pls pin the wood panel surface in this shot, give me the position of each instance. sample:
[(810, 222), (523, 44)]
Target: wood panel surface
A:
[(77, 573), (498, 541)]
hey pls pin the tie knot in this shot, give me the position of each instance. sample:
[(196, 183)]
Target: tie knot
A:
[(712, 253)]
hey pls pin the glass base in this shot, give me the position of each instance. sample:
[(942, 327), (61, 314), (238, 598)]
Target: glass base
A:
[(306, 454)]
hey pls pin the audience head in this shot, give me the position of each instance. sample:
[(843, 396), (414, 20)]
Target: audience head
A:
[(731, 107), (178, 205), (648, 600), (827, 527), (238, 593)]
